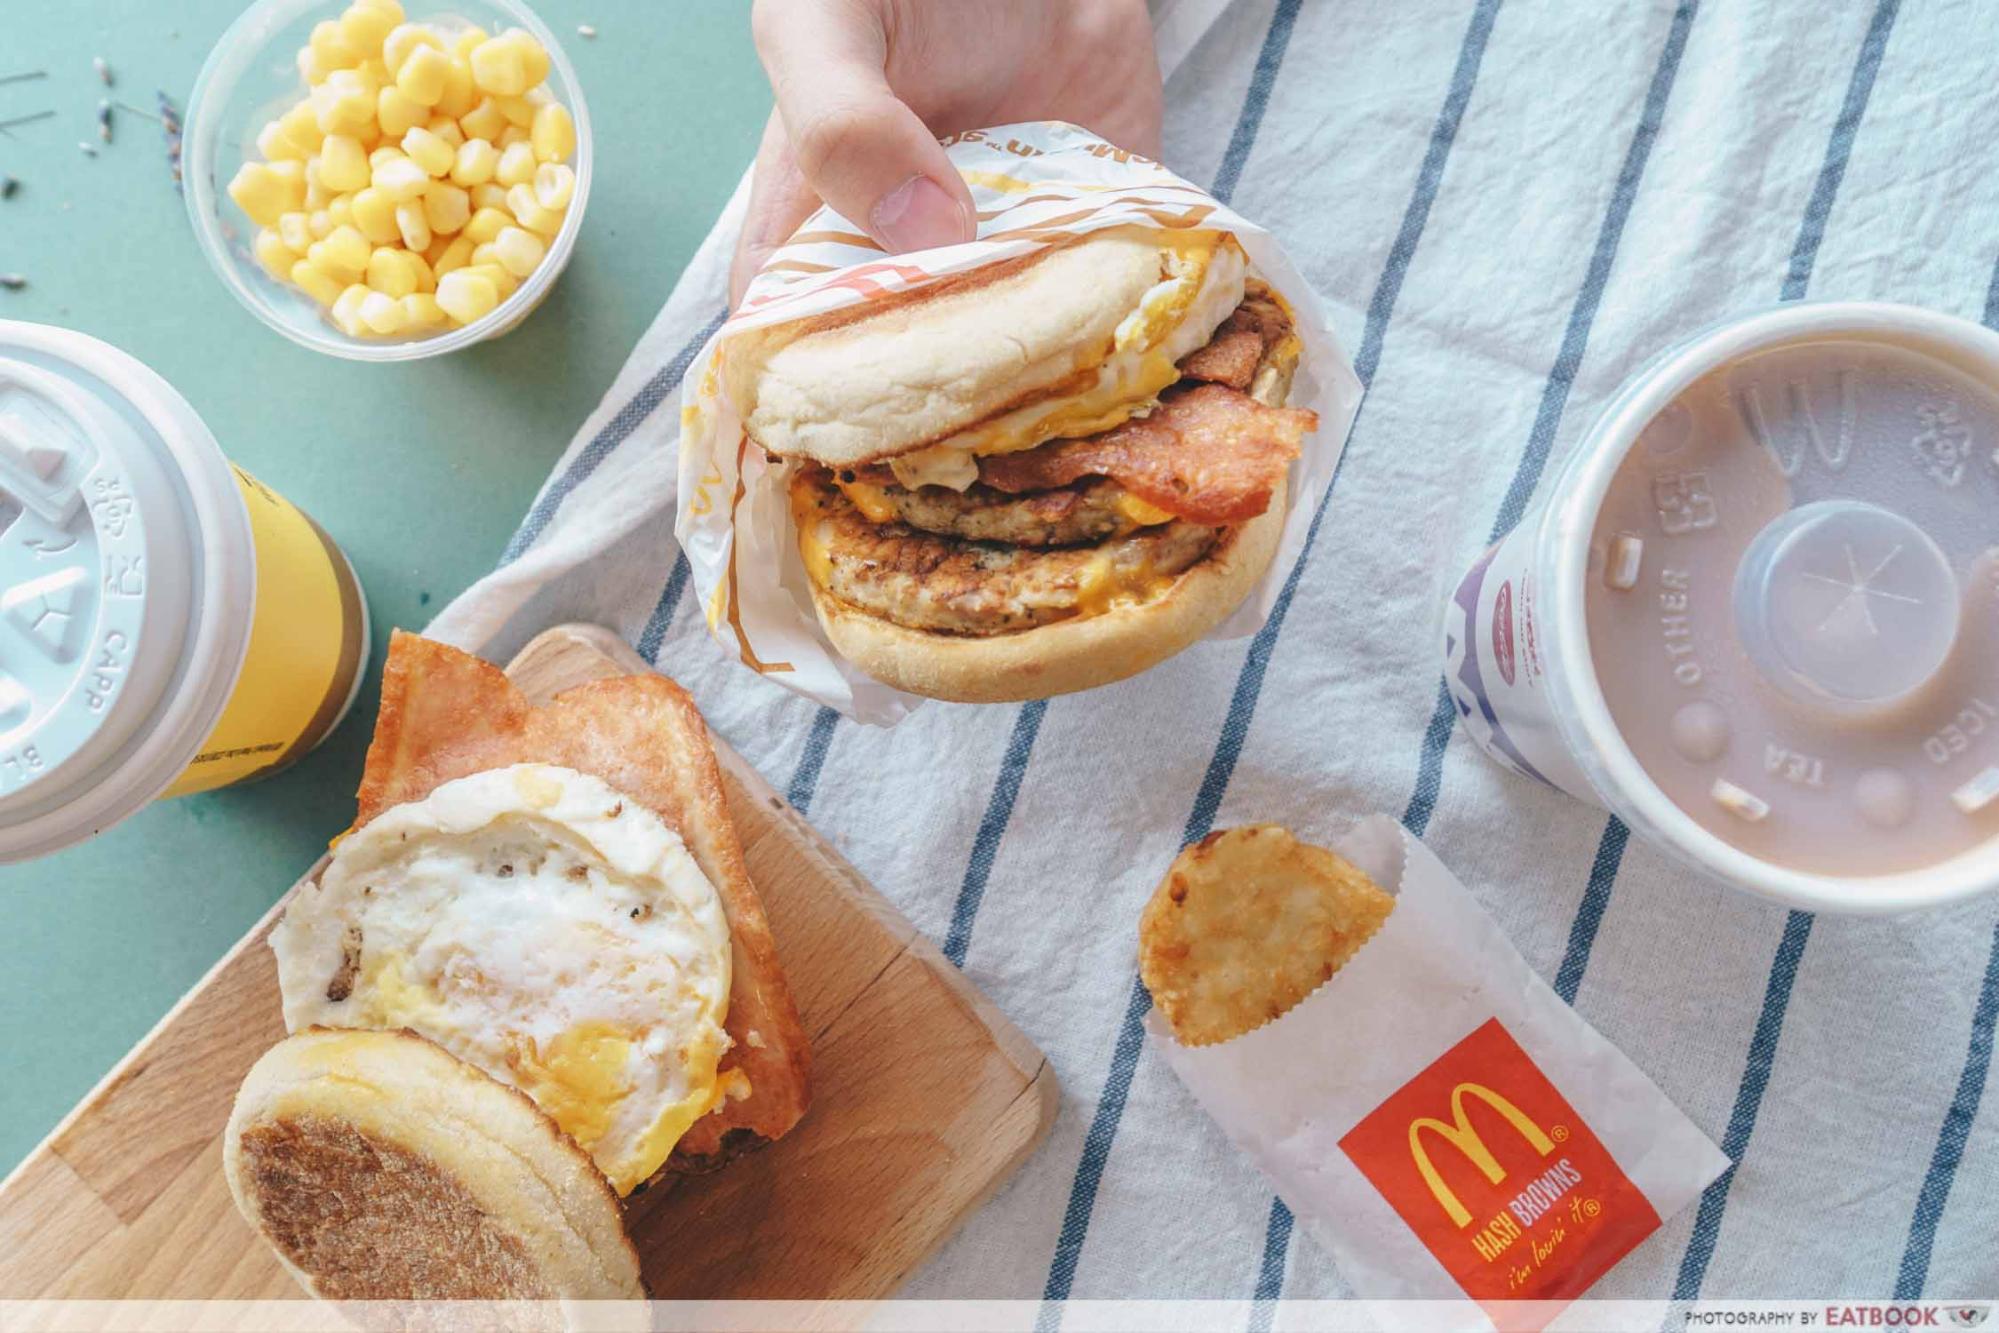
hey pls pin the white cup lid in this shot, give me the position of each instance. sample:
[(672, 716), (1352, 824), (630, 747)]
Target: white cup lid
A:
[(118, 644)]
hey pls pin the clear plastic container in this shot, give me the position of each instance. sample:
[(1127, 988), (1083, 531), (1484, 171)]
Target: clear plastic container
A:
[(251, 77)]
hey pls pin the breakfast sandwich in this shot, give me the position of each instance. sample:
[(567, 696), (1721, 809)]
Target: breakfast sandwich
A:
[(531, 978), (381, 1168), (1246, 924), (1037, 476)]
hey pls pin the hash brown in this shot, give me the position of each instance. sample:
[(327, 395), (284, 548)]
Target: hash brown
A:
[(1247, 923)]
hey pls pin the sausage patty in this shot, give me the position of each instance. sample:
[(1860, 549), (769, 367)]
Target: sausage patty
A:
[(924, 581), (1072, 515)]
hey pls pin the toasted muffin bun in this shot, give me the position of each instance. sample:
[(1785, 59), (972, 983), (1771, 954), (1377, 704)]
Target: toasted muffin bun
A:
[(862, 384), (379, 1167)]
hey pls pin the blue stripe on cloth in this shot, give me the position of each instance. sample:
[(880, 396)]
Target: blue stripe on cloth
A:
[(999, 813), (1589, 916), (1797, 928), (1276, 40), (1956, 1131), (1748, 1101), (805, 778), (661, 619), (605, 442), (1839, 149), (1270, 1273), (1555, 394), (1249, 684)]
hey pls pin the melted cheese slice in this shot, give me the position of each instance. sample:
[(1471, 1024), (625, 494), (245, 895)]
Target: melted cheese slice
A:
[(1202, 285)]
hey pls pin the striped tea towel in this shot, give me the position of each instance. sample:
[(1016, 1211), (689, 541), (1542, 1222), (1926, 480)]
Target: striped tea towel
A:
[(1508, 205)]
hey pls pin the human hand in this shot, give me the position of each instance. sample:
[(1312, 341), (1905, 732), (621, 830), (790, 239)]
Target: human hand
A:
[(865, 87)]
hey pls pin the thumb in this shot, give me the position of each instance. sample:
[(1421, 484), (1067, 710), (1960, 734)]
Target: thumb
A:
[(855, 142)]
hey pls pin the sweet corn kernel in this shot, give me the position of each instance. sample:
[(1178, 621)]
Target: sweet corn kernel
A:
[(346, 311), (402, 180), (273, 254), (554, 133), (485, 255), (510, 136), (315, 282), (341, 211), (344, 250), (490, 195), (460, 93), (486, 224), (454, 256), (518, 110), (519, 250), (477, 160), (375, 215), (331, 48), (503, 282), (383, 313), (423, 75), (447, 208), (415, 228), (484, 121), (343, 105), (309, 67), (533, 52), (466, 296), (260, 191), (404, 39), (396, 111), (527, 210), (301, 126), (292, 229), (319, 223), (428, 151), (426, 280), (421, 311), (364, 27), (554, 186), (276, 145), (516, 166), (386, 153), (469, 39), (342, 165), (445, 128), (389, 271), (500, 66)]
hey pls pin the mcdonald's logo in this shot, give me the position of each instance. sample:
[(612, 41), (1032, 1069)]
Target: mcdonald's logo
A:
[(1460, 1135), (1489, 1165)]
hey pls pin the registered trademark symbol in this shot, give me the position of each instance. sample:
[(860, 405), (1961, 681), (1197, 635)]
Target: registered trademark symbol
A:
[(1560, 1133), (1591, 1207)]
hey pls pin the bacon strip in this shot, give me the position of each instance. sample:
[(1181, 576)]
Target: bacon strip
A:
[(1208, 454)]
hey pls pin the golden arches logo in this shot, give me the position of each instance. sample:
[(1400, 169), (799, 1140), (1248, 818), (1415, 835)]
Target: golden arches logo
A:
[(1460, 1135)]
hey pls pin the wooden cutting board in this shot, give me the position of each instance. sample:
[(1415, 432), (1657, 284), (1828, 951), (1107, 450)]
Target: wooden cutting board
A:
[(924, 1099)]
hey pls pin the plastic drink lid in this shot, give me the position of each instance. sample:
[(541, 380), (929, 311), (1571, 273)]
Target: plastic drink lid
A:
[(1791, 595), (127, 575)]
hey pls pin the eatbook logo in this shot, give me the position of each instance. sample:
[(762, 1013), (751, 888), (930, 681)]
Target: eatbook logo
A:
[(1499, 1178)]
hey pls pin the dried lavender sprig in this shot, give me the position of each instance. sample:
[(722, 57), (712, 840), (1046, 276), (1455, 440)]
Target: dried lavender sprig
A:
[(13, 282), (104, 120), (24, 76), (103, 68)]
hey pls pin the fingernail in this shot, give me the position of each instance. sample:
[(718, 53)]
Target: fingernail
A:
[(917, 215)]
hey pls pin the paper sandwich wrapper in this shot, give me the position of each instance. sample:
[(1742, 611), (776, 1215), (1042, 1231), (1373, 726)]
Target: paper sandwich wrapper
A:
[(1327, 1100), (1034, 185)]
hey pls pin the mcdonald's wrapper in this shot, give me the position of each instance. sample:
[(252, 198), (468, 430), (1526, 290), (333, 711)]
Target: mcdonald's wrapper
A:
[(1035, 185), (1439, 1120)]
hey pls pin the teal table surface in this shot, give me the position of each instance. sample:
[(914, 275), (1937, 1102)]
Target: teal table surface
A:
[(419, 471)]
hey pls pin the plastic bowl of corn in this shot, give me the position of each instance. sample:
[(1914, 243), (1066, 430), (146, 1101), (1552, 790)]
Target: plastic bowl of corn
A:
[(387, 185)]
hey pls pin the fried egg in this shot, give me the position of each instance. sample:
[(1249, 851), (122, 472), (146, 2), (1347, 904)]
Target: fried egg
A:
[(534, 923)]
